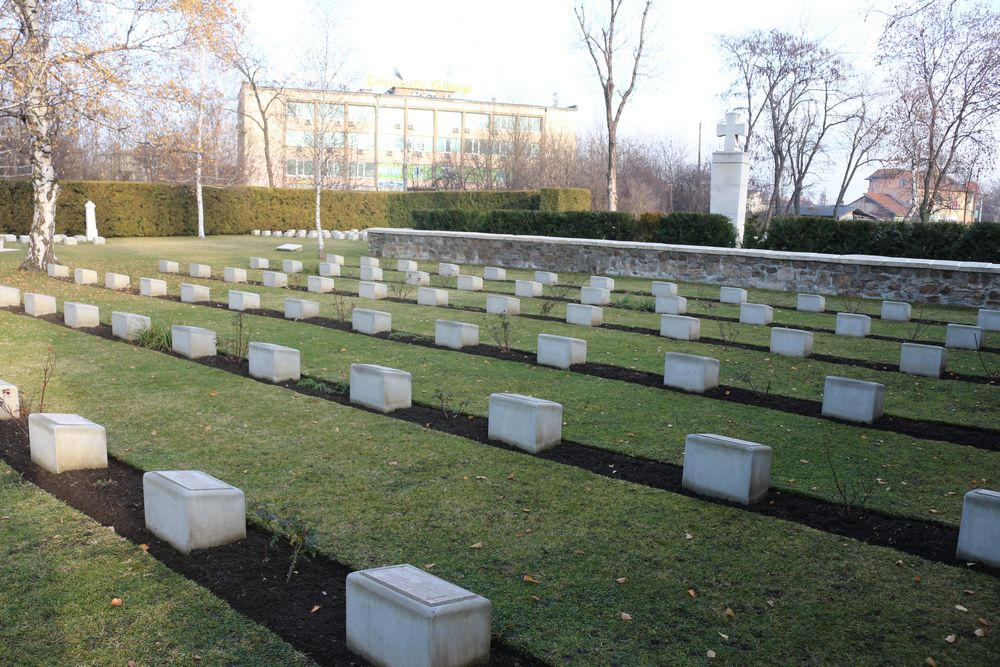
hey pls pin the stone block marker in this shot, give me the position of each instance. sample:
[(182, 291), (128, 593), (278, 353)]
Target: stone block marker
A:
[(661, 288), (319, 284), (166, 266), (963, 337), (810, 303), (680, 327), (896, 311), (334, 259), (603, 283), (791, 342), (595, 296), (260, 263), (417, 278), (289, 247), (527, 288), (448, 270), (70, 240), (430, 296), (265, 232), (756, 313), (853, 324), (301, 309), (371, 273), (56, 238), (671, 305), (690, 372), (528, 423), (199, 270), (587, 316), (401, 615), (369, 262), (57, 270), (117, 281), (546, 277), (405, 265), (152, 287), (194, 293), (497, 304), (927, 360), (979, 531), (80, 315), (275, 279), (732, 295), (9, 296), (291, 266), (85, 276), (380, 388), (62, 442), (128, 326), (329, 269), (37, 305), (232, 274), (372, 290), (852, 400), (364, 320), (243, 300), (455, 335), (189, 509), (275, 363), (470, 283), (726, 468), (494, 273), (988, 320), (192, 342), (561, 351), (10, 401)]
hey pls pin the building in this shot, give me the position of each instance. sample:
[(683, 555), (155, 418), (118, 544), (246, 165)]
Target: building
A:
[(403, 139), (890, 197)]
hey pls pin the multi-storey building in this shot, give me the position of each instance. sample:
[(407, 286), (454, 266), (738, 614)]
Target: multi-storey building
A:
[(890, 197), (405, 138)]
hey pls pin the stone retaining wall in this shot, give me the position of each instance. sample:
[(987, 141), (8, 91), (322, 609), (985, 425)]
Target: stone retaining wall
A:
[(914, 280)]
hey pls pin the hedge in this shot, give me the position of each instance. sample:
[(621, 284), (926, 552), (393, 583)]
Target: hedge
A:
[(688, 228), (564, 199), (155, 209), (978, 242)]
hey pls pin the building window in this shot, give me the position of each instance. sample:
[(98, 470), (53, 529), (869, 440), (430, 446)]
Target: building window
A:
[(299, 168), (534, 150), (390, 121), (333, 139), (360, 117), (449, 123), (362, 169), (449, 145), (301, 110), (503, 147), (331, 168), (361, 141), (420, 172), (477, 121), (297, 138), (503, 122), (419, 144), (529, 123), (331, 113), (477, 147), (420, 121)]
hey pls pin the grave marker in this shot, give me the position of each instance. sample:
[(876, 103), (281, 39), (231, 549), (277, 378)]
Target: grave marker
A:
[(726, 468), (80, 315), (561, 351), (380, 388), (528, 423), (274, 363), (189, 509), (852, 400), (62, 442)]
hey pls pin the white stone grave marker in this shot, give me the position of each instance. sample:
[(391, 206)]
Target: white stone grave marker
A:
[(561, 351), (80, 315), (192, 342), (370, 322), (152, 287), (455, 335), (239, 300), (853, 400), (979, 531), (194, 293), (583, 315), (791, 342), (756, 313), (498, 304), (380, 388), (301, 309), (62, 442), (926, 360), (37, 305), (189, 509), (527, 288), (680, 327), (853, 324), (690, 372), (275, 363), (128, 326), (727, 468), (528, 423), (429, 296)]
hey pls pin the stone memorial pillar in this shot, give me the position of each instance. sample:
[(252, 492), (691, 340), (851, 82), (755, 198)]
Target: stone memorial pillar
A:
[(731, 175), (91, 209)]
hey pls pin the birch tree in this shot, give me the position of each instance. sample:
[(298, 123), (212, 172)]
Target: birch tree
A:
[(606, 41)]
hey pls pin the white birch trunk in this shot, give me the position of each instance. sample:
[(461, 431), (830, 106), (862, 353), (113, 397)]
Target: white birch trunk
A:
[(198, 158), (319, 221)]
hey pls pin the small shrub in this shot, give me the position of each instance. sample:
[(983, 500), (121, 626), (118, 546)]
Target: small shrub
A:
[(300, 535), (27, 406), (499, 328), (157, 337), (444, 399), (238, 344), (638, 303)]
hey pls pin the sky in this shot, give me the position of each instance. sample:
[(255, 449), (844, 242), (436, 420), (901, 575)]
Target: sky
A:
[(529, 51)]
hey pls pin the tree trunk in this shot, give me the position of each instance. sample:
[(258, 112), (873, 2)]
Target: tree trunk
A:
[(319, 222), (612, 168), (198, 159), (44, 185)]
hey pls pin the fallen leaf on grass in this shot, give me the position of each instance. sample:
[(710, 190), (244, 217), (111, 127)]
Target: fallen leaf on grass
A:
[(692, 592), (536, 598), (770, 603), (899, 562), (477, 545), (144, 547), (803, 461), (930, 662), (960, 608), (116, 602), (969, 591), (214, 392), (578, 552), (982, 621), (688, 536), (528, 579), (722, 635), (130, 663), (710, 653), (429, 566), (315, 608), (480, 476), (950, 639), (979, 632), (730, 613), (624, 616), (918, 579), (621, 580)]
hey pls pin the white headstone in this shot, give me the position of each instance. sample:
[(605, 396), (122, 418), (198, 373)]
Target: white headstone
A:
[(671, 305), (91, 215), (527, 288), (690, 372), (275, 363), (192, 342), (128, 326), (727, 468), (80, 315), (61, 442), (243, 300), (852, 400), (979, 531), (367, 321), (189, 509), (498, 304), (430, 296), (380, 388), (561, 351), (455, 335), (926, 360), (680, 327), (528, 423)]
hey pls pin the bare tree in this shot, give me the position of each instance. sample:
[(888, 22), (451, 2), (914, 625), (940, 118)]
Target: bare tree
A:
[(945, 58), (604, 41), (861, 137)]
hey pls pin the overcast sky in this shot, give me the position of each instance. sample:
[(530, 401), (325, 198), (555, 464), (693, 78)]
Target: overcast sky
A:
[(528, 51)]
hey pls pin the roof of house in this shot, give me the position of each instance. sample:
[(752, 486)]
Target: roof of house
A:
[(886, 201), (948, 184)]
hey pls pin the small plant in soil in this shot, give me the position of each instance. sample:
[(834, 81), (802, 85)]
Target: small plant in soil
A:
[(853, 303), (157, 337), (745, 375), (499, 327), (342, 307), (637, 303), (989, 362), (853, 492), (320, 387), (238, 344), (918, 327), (300, 535), (442, 282), (446, 402), (19, 416), (400, 290), (728, 331)]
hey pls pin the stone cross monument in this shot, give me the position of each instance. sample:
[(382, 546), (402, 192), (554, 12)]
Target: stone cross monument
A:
[(731, 175), (90, 208)]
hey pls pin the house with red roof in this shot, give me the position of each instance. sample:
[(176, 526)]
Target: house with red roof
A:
[(890, 197)]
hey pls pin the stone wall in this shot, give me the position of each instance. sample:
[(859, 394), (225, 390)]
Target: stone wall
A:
[(912, 280)]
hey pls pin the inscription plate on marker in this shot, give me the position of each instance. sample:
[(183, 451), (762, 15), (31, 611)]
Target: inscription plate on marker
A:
[(194, 480), (64, 419), (419, 585)]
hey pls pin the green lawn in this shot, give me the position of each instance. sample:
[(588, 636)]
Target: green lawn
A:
[(383, 491)]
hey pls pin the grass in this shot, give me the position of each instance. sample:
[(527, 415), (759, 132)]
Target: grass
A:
[(60, 570), (380, 491)]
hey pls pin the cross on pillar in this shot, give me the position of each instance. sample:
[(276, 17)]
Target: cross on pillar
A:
[(733, 127)]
